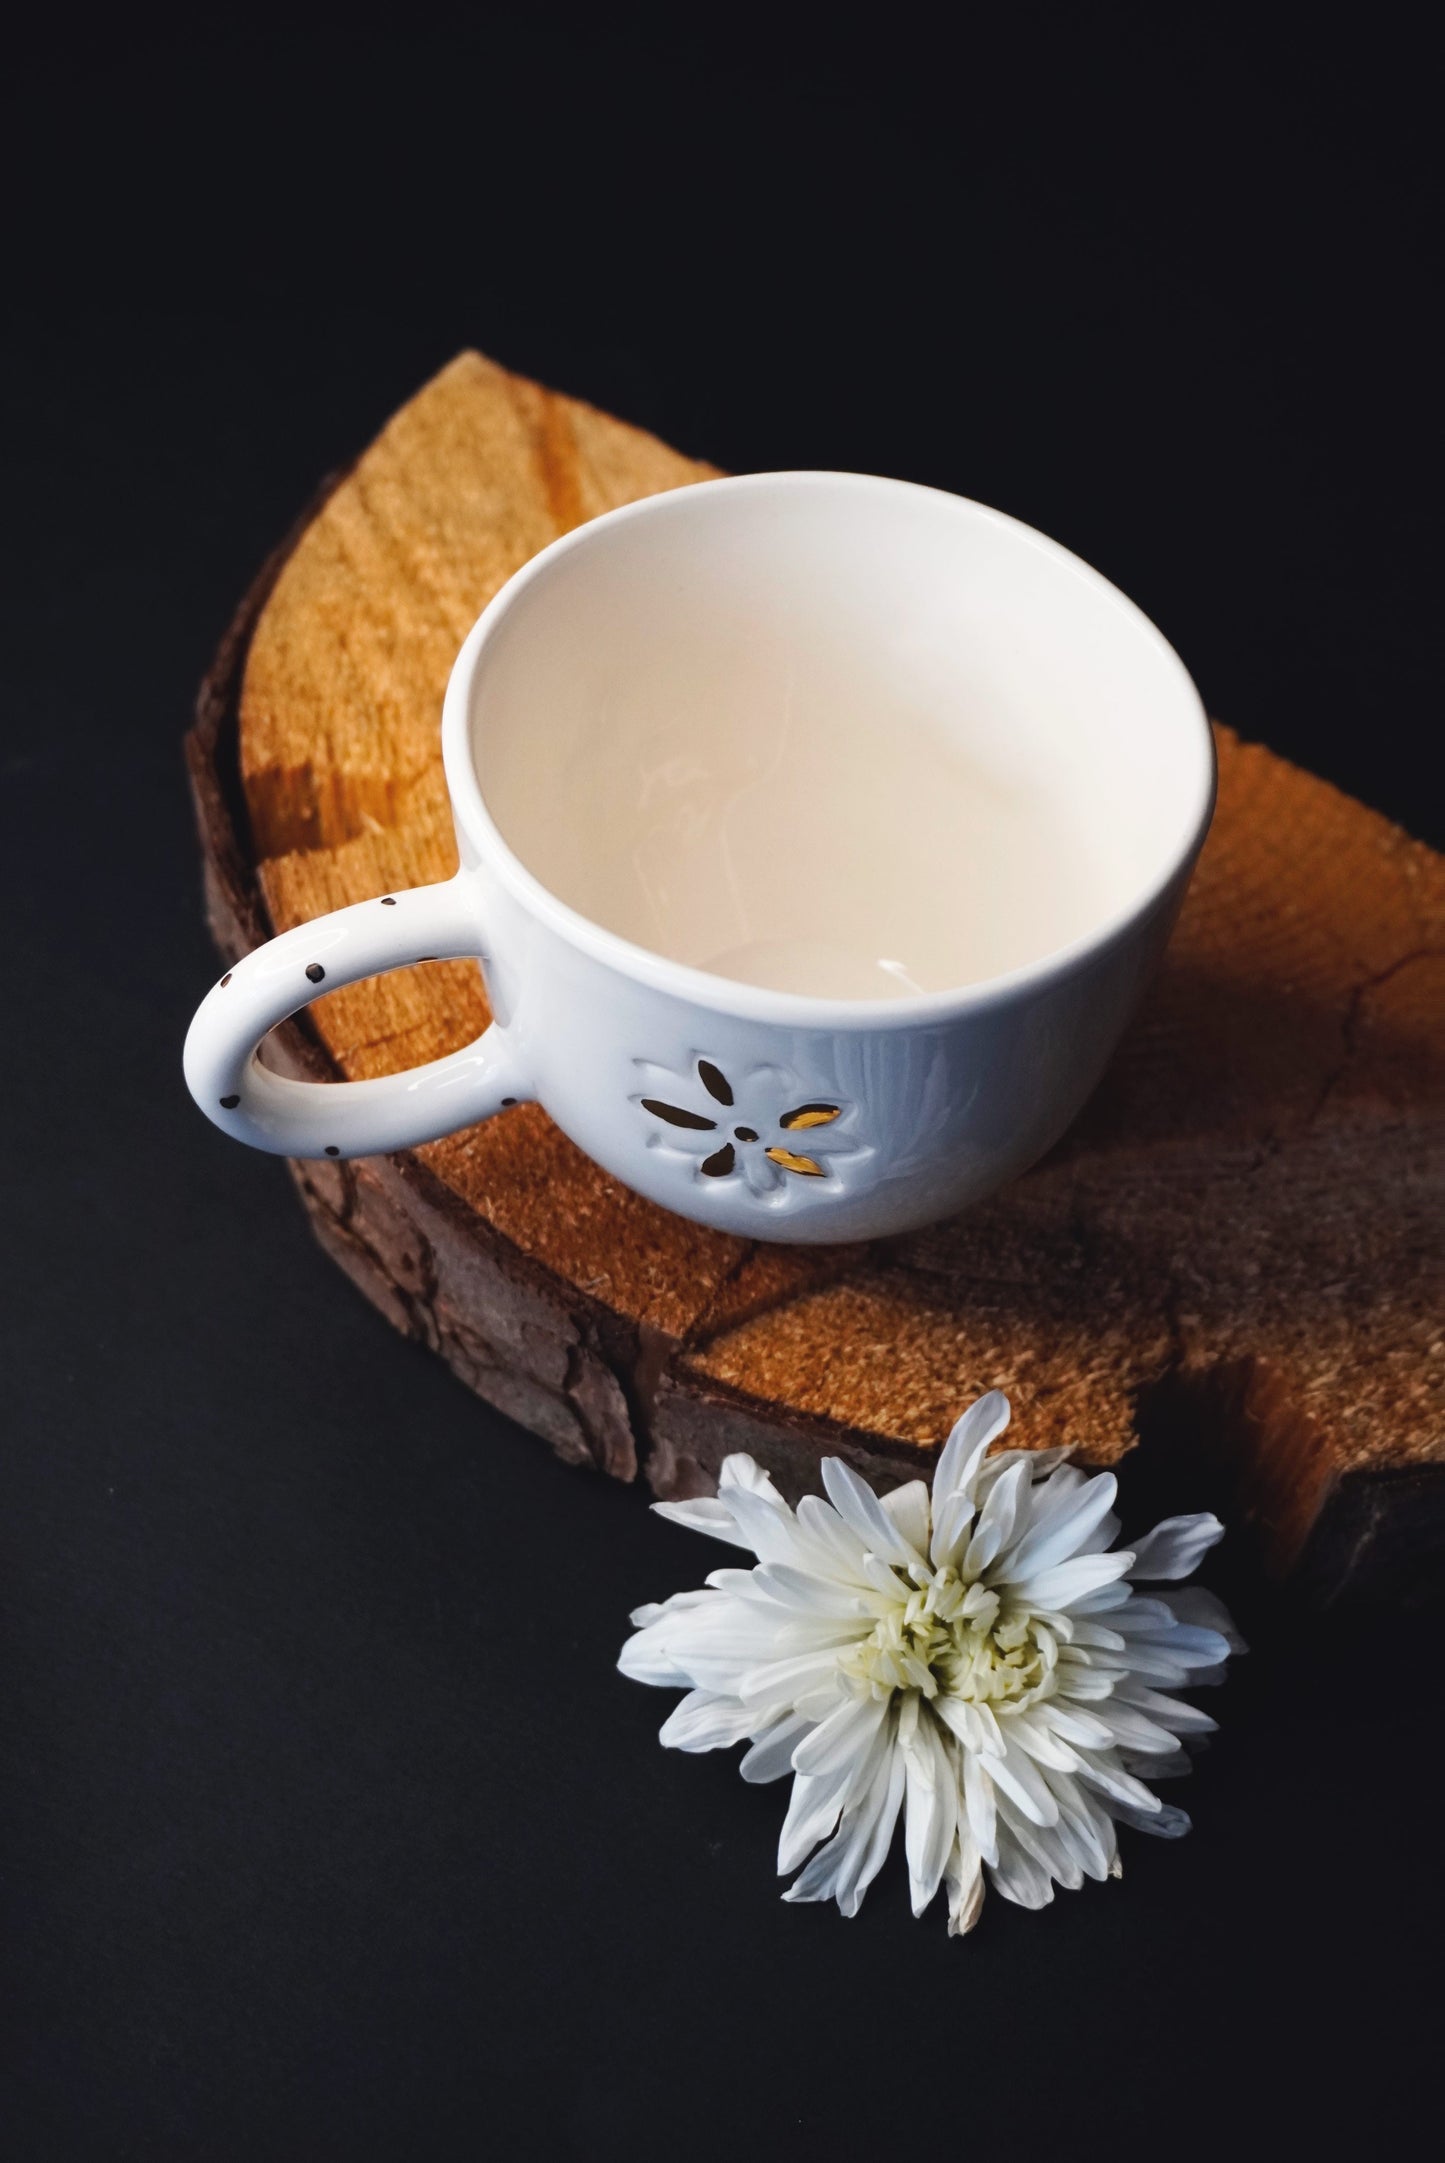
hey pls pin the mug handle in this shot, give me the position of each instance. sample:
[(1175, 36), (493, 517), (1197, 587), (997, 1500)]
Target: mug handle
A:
[(345, 1119)]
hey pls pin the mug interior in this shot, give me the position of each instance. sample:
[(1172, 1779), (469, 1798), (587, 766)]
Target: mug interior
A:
[(835, 736)]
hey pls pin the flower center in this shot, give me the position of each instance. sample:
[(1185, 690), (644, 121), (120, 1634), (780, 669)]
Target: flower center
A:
[(956, 1638)]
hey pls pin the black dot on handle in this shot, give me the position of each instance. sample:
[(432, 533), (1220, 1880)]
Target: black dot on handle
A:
[(225, 980), (228, 1104), (332, 1150), (506, 1101), (388, 901), (315, 971)]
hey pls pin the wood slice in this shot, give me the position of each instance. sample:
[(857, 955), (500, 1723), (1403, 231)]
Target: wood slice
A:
[(1237, 1248)]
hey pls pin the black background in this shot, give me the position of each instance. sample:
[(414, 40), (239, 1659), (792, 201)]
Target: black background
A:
[(326, 1827)]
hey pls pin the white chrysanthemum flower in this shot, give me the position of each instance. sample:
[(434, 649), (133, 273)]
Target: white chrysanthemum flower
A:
[(976, 1661)]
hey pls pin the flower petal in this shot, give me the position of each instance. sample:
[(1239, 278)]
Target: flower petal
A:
[(1085, 1730), (792, 1587), (1103, 1599), (1050, 1846), (952, 1521), (725, 1646), (1166, 1823), (1030, 1732), (772, 1753), (1091, 1829), (1191, 1647), (771, 1533), (1062, 1585), (965, 1887), (844, 1736), (847, 1866), (981, 1806), (647, 1658), (1090, 1635), (964, 1451), (706, 1722), (930, 1817), (967, 1722), (1053, 1538), (1132, 1729), (1019, 1878), (1082, 1685), (1039, 1462), (837, 1545), (783, 1682), (1055, 1488), (738, 1469), (1176, 1547), (863, 1513), (704, 1513), (813, 1810), (908, 1508), (642, 1618), (997, 1519), (1118, 1785), (992, 1735), (1158, 1665), (1170, 1712), (1017, 1776), (880, 1836)]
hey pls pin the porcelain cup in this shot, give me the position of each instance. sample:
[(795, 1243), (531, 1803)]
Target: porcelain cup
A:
[(613, 672)]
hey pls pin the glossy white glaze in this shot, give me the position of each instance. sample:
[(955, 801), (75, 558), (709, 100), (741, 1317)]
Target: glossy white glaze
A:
[(592, 721)]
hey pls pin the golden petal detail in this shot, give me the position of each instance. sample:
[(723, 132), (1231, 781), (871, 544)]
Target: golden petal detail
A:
[(790, 1163), (810, 1115)]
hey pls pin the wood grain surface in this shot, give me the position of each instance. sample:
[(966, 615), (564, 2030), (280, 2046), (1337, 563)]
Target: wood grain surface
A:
[(1238, 1247)]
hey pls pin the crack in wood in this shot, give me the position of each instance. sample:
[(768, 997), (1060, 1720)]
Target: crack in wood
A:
[(1350, 1020)]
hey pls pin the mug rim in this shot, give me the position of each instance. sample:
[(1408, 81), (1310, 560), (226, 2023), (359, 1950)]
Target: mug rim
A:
[(730, 995)]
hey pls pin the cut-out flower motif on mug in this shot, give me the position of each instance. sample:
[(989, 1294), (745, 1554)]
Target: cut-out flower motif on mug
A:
[(759, 1128)]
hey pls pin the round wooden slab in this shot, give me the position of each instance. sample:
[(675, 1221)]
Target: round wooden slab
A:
[(1244, 1226)]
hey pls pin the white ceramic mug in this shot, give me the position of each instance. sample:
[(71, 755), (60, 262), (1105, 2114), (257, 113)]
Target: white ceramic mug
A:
[(817, 833)]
